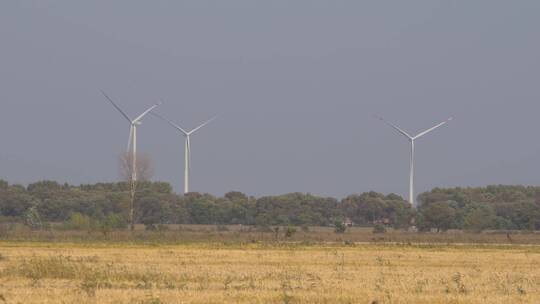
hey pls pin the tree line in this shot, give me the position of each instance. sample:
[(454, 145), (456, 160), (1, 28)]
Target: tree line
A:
[(474, 209)]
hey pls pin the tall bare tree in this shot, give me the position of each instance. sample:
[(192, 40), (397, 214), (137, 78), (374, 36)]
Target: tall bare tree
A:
[(143, 172)]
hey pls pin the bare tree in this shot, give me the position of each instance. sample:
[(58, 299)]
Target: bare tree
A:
[(143, 164), (143, 172)]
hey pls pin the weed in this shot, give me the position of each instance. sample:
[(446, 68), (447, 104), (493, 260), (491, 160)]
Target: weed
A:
[(286, 288), (228, 281), (145, 283), (150, 299), (458, 280)]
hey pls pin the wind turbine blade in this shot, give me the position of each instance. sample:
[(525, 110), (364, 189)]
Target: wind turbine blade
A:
[(146, 112), (432, 129), (116, 106), (395, 127), (204, 124), (171, 123), (130, 138)]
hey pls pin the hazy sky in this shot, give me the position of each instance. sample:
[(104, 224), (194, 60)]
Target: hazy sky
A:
[(296, 84)]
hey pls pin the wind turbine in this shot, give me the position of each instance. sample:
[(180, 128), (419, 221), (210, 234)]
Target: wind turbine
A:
[(132, 142), (411, 140), (187, 148)]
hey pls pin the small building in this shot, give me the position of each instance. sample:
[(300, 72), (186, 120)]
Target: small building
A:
[(383, 221), (348, 222)]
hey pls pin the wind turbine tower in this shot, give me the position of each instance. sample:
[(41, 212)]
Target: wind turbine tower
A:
[(412, 140)]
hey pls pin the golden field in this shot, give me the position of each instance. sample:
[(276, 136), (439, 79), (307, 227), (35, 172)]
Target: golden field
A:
[(267, 273)]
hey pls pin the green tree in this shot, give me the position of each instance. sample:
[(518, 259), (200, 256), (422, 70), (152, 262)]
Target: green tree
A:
[(438, 215), (479, 219)]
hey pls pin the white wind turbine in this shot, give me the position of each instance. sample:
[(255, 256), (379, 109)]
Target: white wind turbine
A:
[(132, 142), (411, 140), (187, 149)]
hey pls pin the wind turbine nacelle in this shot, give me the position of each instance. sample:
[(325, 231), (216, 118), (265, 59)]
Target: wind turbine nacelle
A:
[(137, 123)]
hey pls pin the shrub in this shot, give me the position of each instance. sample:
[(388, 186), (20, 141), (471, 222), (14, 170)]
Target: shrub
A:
[(32, 219), (115, 221), (162, 227), (150, 227), (222, 228), (290, 231), (265, 229), (156, 227), (340, 227), (379, 228), (276, 232), (78, 221), (111, 222)]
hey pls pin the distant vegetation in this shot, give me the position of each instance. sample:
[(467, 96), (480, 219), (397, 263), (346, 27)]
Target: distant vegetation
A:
[(104, 206)]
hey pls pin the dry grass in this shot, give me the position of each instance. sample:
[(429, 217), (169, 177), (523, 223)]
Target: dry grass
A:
[(189, 234), (258, 273)]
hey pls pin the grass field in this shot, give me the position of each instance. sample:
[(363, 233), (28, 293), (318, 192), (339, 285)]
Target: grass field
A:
[(213, 272)]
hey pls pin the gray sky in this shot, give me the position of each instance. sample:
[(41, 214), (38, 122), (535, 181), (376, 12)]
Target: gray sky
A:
[(296, 84)]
